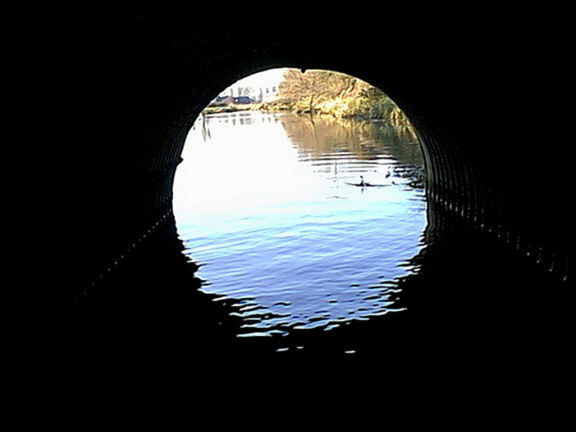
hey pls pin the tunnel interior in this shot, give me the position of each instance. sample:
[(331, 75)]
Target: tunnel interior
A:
[(115, 284)]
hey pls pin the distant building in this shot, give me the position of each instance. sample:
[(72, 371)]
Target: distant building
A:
[(269, 94), (222, 100), (254, 93), (229, 100), (243, 100), (261, 87)]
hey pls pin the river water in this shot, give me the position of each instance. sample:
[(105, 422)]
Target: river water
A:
[(271, 207)]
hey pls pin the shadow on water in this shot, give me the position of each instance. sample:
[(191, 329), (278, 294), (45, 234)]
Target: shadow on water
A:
[(471, 307)]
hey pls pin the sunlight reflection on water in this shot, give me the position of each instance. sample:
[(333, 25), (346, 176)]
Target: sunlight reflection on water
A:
[(266, 203)]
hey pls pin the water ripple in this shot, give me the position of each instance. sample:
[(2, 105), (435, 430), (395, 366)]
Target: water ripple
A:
[(283, 236)]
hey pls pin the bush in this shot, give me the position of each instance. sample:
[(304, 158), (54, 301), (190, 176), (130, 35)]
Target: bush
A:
[(339, 95)]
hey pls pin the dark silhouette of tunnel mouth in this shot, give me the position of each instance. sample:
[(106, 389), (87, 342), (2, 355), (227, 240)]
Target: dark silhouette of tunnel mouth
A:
[(457, 188), (118, 283)]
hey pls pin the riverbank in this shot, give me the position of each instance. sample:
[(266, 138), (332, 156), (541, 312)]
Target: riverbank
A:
[(334, 111), (338, 95), (342, 108), (221, 109), (322, 92)]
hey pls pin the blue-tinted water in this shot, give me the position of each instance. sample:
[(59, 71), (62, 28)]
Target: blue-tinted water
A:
[(267, 205)]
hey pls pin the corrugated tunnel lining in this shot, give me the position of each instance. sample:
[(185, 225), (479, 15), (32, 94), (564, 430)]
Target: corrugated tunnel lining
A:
[(105, 100), (162, 66)]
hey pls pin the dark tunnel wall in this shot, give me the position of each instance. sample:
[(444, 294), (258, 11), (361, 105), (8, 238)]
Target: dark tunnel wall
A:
[(114, 92), (480, 90)]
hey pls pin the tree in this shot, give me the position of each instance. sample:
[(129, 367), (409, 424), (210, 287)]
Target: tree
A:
[(336, 94)]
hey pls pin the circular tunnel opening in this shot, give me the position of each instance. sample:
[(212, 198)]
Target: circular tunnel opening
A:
[(301, 197)]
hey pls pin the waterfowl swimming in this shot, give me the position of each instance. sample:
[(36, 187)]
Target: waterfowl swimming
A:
[(365, 183)]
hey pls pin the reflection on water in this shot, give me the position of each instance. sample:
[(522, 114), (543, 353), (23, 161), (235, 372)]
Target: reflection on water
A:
[(265, 203)]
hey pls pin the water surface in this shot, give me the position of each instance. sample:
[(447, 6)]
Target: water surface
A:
[(268, 205)]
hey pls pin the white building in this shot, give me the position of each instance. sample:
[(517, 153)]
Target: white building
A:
[(261, 87)]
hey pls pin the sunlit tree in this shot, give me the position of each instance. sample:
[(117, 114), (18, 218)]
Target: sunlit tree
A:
[(337, 94)]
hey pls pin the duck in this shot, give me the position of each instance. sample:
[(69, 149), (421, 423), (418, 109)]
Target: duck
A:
[(366, 184), (361, 184)]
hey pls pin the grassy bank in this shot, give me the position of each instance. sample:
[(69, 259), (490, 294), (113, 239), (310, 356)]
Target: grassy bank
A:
[(229, 108), (335, 94)]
